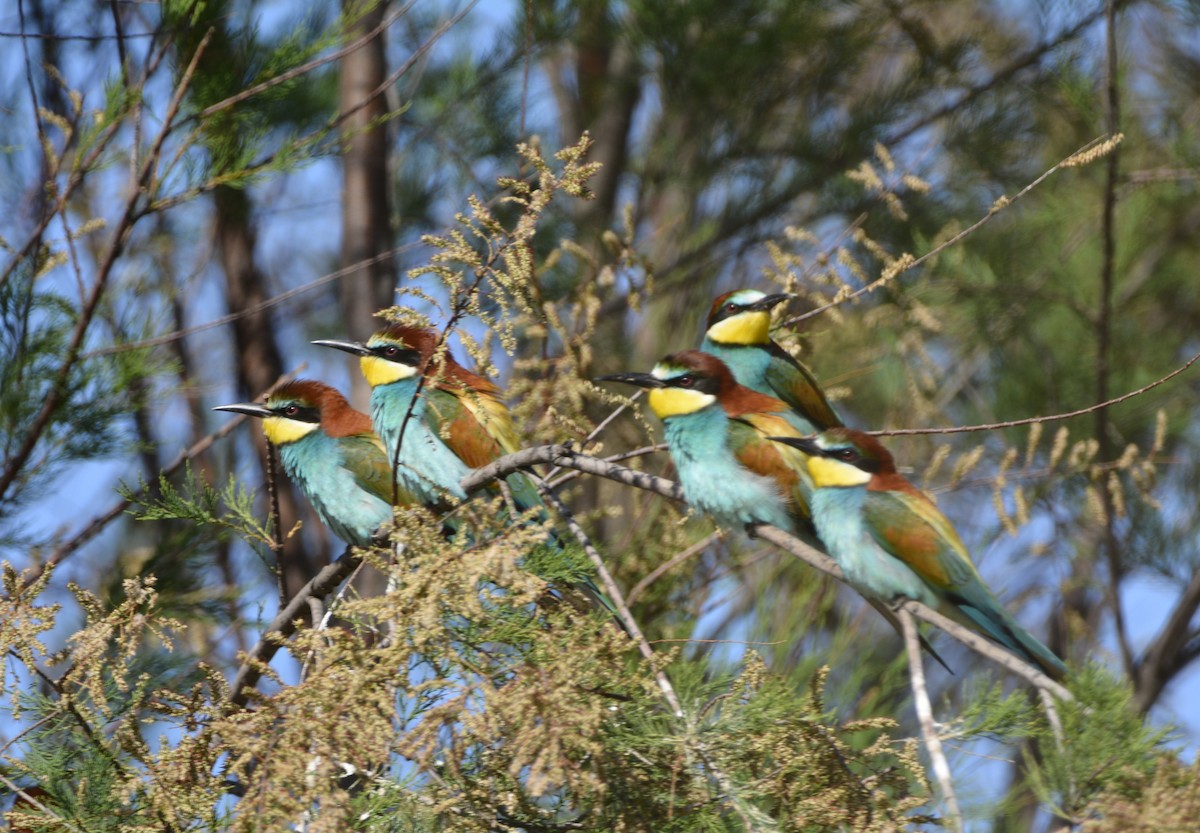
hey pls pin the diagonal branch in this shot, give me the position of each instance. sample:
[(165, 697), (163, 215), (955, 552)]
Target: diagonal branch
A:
[(284, 625), (612, 590), (995, 426), (1161, 660), (566, 457), (57, 392)]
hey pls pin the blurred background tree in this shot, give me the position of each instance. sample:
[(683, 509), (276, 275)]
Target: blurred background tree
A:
[(192, 192)]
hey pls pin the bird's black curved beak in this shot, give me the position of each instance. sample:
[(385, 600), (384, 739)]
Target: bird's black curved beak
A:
[(247, 408), (806, 444), (642, 380), (347, 346), (771, 301)]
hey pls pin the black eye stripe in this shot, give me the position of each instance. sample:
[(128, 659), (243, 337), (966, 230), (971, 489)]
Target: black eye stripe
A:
[(297, 412)]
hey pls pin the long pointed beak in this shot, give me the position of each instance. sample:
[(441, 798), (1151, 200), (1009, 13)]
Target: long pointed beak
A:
[(247, 408), (772, 301), (642, 380), (347, 346), (806, 444)]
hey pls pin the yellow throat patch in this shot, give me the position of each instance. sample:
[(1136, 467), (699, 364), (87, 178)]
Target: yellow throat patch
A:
[(669, 402), (750, 327), (280, 430), (379, 371), (832, 473)]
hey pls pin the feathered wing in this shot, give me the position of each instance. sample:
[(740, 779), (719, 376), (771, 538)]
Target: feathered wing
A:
[(364, 456), (477, 426), (749, 440), (909, 527), (795, 384)]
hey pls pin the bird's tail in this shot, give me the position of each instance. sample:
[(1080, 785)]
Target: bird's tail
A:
[(993, 621)]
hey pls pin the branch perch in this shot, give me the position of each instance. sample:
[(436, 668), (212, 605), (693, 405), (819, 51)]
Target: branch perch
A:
[(566, 457)]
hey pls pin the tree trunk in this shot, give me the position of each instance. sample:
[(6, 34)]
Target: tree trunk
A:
[(366, 208)]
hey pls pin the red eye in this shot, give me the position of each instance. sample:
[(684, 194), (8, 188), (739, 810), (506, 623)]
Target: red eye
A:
[(684, 381), (291, 410), (390, 350), (845, 454), (732, 307)]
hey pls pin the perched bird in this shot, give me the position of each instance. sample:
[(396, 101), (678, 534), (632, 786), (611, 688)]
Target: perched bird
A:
[(719, 434), (892, 542), (330, 451), (738, 333), (457, 423)]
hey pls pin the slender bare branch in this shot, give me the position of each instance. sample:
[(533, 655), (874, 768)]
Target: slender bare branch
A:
[(900, 268), (284, 625), (995, 426), (566, 457), (58, 388), (933, 743), (664, 568)]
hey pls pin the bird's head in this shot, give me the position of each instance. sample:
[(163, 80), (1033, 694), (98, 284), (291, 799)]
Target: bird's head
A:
[(842, 457), (394, 353), (682, 383), (742, 317), (298, 408)]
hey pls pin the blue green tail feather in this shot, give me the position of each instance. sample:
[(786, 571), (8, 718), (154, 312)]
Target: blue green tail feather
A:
[(992, 620)]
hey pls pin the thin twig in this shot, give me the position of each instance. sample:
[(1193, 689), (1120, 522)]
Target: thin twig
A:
[(1052, 718), (284, 625), (276, 525), (997, 207), (39, 806), (612, 590), (296, 72), (614, 458), (933, 744), (657, 573), (275, 300), (994, 426)]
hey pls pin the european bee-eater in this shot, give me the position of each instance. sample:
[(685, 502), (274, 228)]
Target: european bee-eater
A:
[(331, 452), (738, 333), (456, 424), (719, 434), (893, 542)]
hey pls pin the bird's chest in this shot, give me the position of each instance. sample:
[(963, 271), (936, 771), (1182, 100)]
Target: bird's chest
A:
[(712, 478), (424, 463), (869, 568), (318, 469), (748, 362)]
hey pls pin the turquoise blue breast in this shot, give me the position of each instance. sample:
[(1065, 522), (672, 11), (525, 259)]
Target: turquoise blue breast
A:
[(315, 464), (712, 478), (870, 569), (425, 465)]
